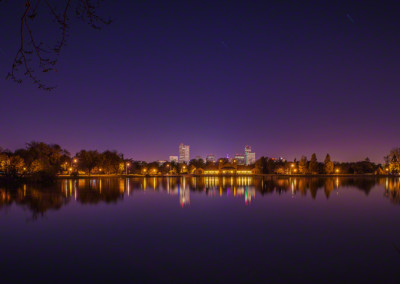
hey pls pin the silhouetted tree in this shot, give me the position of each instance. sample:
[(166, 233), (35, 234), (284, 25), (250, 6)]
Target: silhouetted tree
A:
[(262, 165), (88, 160), (328, 165), (393, 160), (109, 161), (197, 163), (313, 166), (303, 165), (42, 157), (32, 49)]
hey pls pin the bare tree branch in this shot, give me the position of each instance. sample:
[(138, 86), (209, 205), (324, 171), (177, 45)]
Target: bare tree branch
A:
[(30, 49)]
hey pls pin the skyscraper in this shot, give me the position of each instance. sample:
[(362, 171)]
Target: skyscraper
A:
[(173, 159), (184, 153), (240, 159), (210, 158), (250, 157)]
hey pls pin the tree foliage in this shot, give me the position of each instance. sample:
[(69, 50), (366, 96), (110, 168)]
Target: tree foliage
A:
[(197, 163), (303, 165), (328, 165), (393, 160), (313, 165), (110, 161), (88, 160)]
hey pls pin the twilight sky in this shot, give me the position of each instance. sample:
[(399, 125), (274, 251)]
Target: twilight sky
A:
[(289, 79)]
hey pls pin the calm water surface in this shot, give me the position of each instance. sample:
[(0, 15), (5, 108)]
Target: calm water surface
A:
[(204, 230)]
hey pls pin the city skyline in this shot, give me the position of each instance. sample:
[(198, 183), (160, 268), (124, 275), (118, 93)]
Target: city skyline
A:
[(184, 156), (167, 157)]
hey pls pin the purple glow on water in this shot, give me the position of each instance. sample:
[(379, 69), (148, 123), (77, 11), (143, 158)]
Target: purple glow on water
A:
[(328, 230)]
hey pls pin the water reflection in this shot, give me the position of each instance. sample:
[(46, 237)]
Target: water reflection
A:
[(111, 190)]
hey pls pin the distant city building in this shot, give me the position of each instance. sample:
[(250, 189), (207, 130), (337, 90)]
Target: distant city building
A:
[(184, 153), (199, 158), (240, 159), (250, 157), (161, 162), (174, 159), (210, 158)]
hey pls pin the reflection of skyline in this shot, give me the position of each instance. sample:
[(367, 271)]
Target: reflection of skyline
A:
[(112, 190)]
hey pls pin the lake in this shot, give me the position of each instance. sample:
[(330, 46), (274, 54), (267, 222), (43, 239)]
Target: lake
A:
[(202, 230)]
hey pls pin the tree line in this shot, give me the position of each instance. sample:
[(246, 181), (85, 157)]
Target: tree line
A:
[(43, 160), (314, 167)]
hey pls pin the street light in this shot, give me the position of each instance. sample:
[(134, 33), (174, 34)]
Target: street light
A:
[(291, 166), (337, 171), (127, 165)]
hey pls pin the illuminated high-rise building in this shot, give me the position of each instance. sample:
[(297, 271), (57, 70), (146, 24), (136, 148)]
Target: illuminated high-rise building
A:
[(184, 153), (210, 158), (240, 159), (250, 157), (173, 159)]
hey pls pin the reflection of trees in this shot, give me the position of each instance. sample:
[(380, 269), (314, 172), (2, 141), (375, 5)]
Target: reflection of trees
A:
[(329, 186), (96, 190), (37, 200), (92, 191), (5, 198), (364, 184)]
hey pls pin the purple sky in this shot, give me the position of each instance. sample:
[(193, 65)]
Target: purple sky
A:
[(289, 79)]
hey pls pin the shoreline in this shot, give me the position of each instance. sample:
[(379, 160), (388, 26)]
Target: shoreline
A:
[(224, 175), (4, 180)]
